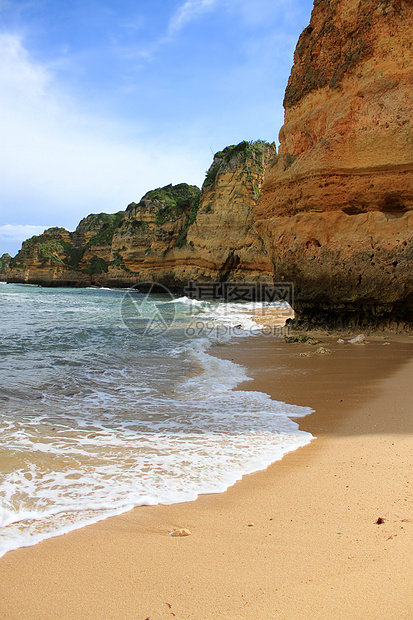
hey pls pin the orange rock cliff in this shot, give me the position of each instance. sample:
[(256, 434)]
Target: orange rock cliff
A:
[(332, 212)]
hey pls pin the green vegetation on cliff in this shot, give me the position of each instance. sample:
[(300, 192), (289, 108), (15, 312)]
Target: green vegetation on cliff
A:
[(5, 261), (74, 258), (178, 200), (46, 249), (51, 250), (170, 202), (250, 154), (108, 224), (96, 266)]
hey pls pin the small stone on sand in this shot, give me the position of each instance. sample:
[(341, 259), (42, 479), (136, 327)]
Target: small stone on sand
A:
[(360, 339), (181, 532), (323, 350)]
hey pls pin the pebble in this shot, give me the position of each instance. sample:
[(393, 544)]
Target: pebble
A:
[(322, 350), (181, 532), (360, 339)]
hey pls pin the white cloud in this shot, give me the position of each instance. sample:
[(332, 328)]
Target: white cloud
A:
[(60, 162), (184, 15), (253, 13), (279, 12), (187, 12), (20, 232)]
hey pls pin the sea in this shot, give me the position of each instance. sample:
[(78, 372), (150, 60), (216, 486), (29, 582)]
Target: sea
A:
[(111, 399)]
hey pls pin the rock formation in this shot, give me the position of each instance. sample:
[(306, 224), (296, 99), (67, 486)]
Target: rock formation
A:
[(5, 260), (332, 212), (336, 209), (173, 235)]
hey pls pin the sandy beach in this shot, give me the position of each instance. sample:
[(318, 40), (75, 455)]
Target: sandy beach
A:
[(325, 533)]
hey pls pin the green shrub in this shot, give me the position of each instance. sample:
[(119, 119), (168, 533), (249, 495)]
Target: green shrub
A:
[(181, 241), (74, 258), (48, 251), (174, 201), (109, 223), (289, 159), (250, 153), (117, 260), (139, 226), (96, 266)]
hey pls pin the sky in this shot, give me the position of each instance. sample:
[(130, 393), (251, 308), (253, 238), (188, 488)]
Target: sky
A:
[(104, 100)]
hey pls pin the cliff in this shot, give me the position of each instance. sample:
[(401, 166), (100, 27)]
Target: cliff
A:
[(5, 260), (173, 235), (336, 209), (332, 212)]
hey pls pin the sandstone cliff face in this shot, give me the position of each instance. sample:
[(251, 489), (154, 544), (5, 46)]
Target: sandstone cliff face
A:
[(224, 232), (348, 134), (5, 260), (173, 235), (42, 259), (215, 241), (335, 211)]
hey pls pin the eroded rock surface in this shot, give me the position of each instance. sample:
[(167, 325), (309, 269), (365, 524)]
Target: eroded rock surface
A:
[(173, 235), (336, 209)]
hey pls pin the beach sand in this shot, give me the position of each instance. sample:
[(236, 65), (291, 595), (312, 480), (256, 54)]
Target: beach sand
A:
[(298, 540)]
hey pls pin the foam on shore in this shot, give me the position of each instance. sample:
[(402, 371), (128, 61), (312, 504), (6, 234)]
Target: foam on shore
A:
[(96, 421)]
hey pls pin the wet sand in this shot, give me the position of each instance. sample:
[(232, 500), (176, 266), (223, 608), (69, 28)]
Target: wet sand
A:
[(298, 540)]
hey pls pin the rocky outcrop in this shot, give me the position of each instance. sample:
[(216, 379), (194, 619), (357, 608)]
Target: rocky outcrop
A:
[(347, 140), (331, 212), (173, 235), (336, 208), (5, 260)]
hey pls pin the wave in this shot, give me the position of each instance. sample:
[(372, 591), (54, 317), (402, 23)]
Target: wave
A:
[(119, 421)]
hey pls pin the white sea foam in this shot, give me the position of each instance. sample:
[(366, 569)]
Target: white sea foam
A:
[(113, 421), (204, 315), (187, 300)]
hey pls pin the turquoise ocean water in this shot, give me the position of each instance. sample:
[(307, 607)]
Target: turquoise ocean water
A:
[(110, 400)]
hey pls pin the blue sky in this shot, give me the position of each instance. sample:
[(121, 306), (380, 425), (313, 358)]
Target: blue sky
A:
[(103, 100)]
